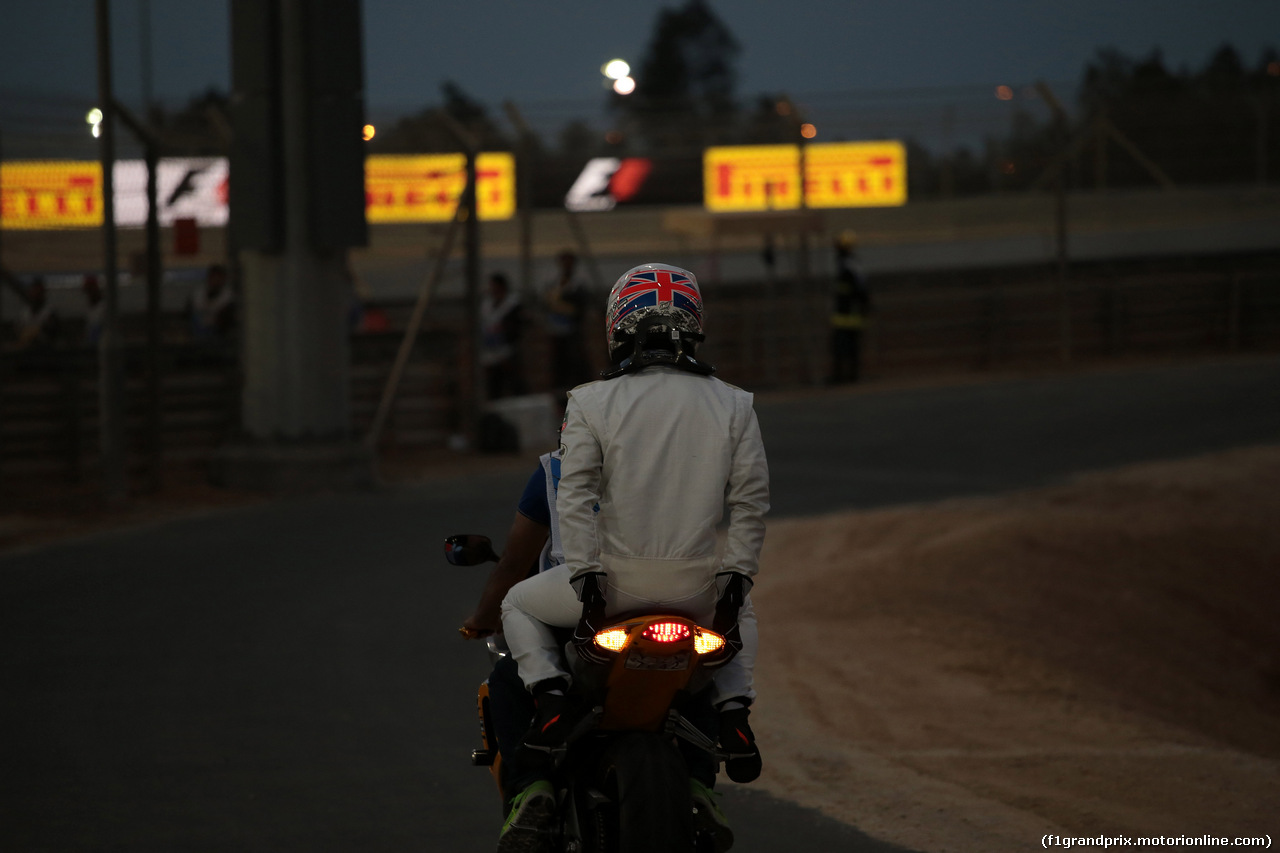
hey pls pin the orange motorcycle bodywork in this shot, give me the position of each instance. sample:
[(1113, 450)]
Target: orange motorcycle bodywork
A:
[(640, 684)]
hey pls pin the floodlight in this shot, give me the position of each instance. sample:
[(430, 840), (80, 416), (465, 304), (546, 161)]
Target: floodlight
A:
[(615, 69)]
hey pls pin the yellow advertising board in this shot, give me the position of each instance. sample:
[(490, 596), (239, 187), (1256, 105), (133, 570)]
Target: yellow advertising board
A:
[(426, 187), (751, 177), (68, 193), (856, 174), (46, 194), (837, 174)]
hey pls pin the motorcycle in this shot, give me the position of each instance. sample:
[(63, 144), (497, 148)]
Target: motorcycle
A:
[(621, 780)]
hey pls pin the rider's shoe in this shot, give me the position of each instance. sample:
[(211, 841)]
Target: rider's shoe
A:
[(554, 718), (744, 763), (531, 820), (707, 816)]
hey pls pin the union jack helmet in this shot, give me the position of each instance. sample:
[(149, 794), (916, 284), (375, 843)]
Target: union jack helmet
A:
[(653, 289)]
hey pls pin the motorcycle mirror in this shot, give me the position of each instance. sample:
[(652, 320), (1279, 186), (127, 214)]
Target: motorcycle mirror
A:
[(469, 549)]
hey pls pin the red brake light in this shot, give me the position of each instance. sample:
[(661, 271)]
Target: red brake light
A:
[(667, 632)]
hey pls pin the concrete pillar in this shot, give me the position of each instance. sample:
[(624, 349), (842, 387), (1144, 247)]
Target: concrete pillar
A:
[(296, 412)]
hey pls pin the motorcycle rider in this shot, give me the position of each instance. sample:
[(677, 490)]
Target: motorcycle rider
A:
[(533, 545), (651, 455)]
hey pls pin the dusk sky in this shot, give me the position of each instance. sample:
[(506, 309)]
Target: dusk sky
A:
[(540, 51)]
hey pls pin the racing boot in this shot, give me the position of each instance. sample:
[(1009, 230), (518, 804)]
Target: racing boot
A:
[(554, 719), (531, 821), (743, 764), (707, 816)]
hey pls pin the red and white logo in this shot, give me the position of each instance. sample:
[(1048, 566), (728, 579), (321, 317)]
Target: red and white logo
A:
[(605, 181)]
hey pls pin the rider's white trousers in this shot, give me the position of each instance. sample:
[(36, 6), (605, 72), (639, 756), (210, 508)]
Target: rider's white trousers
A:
[(547, 599)]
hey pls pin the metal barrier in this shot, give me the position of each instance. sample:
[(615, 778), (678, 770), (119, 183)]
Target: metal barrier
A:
[(760, 337)]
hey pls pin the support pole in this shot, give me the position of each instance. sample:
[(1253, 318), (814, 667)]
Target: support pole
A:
[(1059, 172), (155, 448), (1064, 285), (524, 178), (151, 149), (472, 266), (110, 369), (470, 210), (297, 206)]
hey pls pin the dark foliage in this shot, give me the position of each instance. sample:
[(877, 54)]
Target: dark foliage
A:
[(432, 132), (685, 85)]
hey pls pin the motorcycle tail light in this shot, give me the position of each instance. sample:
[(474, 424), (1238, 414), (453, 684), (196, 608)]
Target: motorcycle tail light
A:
[(667, 632), (612, 639), (706, 642)]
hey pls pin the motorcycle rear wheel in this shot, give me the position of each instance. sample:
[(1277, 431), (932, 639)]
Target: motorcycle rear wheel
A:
[(651, 812)]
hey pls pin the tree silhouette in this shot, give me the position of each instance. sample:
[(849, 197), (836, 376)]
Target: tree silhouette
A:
[(1216, 125), (686, 80), (429, 132)]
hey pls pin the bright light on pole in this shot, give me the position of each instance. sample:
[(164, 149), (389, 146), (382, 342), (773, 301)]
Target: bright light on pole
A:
[(624, 85), (94, 119), (369, 131), (615, 69)]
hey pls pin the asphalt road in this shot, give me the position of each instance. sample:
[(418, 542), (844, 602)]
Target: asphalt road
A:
[(288, 677)]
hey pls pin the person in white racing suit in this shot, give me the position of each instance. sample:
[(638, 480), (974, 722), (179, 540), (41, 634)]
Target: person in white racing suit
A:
[(651, 456)]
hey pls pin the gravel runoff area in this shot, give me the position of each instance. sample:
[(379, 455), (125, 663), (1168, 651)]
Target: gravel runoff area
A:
[(1099, 657)]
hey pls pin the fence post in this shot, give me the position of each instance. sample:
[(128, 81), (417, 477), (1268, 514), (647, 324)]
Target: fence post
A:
[(993, 315), (5, 367), (69, 376), (1233, 311)]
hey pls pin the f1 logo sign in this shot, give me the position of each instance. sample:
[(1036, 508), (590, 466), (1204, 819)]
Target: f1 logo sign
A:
[(605, 181)]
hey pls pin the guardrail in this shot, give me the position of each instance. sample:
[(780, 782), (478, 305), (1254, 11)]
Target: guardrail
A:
[(761, 337)]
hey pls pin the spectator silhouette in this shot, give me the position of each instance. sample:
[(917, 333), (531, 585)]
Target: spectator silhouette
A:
[(96, 309), (849, 312), (502, 321), (566, 300), (40, 324), (212, 307)]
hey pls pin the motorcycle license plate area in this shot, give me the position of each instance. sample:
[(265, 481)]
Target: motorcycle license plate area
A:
[(655, 665), (637, 659)]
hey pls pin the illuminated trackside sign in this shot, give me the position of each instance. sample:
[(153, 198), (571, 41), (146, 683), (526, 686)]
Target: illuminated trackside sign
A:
[(68, 194), (426, 187), (186, 188), (837, 174), (52, 194), (41, 194), (856, 174), (605, 181), (751, 177)]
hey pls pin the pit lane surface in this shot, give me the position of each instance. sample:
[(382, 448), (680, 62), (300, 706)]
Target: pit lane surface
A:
[(288, 677)]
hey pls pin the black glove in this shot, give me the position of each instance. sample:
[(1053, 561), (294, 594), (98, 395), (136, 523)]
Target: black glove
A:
[(734, 589), (590, 589), (736, 738)]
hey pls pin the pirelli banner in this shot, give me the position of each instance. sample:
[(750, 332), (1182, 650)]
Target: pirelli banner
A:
[(426, 187), (739, 178), (50, 194), (56, 194)]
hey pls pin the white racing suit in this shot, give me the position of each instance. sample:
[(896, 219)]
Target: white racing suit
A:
[(649, 462)]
